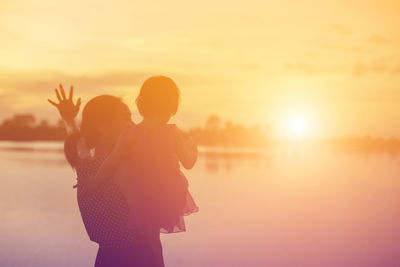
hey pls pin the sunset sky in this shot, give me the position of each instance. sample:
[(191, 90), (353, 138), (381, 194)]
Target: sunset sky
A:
[(335, 64)]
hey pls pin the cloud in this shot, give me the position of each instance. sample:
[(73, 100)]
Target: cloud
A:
[(358, 68), (378, 66), (342, 29), (312, 68), (26, 91), (5, 100), (302, 67), (381, 40), (42, 82), (396, 70), (38, 82)]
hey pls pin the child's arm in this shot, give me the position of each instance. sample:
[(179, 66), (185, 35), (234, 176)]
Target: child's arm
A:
[(115, 158), (186, 149)]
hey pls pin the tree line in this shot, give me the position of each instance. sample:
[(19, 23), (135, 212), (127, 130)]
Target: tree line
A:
[(215, 132), (25, 127)]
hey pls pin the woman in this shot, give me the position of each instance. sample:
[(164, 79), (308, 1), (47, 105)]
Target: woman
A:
[(103, 208)]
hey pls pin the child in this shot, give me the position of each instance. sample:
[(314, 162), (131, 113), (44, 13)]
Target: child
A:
[(155, 187)]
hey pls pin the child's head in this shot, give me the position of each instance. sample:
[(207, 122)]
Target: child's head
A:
[(103, 119), (158, 98)]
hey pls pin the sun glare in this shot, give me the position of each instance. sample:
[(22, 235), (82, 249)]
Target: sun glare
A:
[(298, 126)]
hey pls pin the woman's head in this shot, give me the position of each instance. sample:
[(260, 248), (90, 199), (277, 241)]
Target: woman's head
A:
[(158, 98), (103, 119)]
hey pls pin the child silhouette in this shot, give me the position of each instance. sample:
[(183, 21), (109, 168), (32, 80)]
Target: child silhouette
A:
[(151, 153)]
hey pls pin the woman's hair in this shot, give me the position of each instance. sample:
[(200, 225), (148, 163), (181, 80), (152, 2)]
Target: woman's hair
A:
[(158, 97), (102, 111)]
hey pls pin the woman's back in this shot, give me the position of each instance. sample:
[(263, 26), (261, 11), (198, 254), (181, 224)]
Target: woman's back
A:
[(104, 211)]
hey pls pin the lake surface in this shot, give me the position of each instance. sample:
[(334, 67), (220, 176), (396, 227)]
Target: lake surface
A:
[(294, 207)]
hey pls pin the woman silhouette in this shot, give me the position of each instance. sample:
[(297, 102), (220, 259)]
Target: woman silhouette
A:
[(103, 208)]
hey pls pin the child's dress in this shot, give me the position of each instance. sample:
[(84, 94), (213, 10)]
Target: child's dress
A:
[(159, 195)]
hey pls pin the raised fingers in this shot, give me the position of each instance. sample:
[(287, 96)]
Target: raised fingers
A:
[(58, 95), (62, 92), (71, 92), (52, 102), (78, 103)]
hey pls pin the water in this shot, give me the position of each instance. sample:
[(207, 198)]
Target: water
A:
[(288, 207)]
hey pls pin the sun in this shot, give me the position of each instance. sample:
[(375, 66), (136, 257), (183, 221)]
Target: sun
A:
[(298, 126)]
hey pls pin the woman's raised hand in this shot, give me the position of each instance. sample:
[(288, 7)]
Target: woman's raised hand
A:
[(68, 110)]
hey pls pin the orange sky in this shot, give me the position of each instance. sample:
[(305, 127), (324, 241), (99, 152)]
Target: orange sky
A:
[(337, 63)]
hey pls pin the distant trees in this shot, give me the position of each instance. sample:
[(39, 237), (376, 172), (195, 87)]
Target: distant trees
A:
[(217, 133), (365, 144), (24, 127)]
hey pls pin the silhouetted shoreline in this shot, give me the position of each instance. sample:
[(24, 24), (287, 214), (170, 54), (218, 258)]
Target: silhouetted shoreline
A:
[(214, 134), (25, 127)]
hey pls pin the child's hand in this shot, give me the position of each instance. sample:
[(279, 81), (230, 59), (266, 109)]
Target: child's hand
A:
[(179, 139), (191, 145), (186, 149), (185, 139)]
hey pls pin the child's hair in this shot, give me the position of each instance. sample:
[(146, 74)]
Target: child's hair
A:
[(158, 97), (102, 110)]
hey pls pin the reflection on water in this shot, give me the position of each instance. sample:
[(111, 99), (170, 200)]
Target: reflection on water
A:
[(290, 207)]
